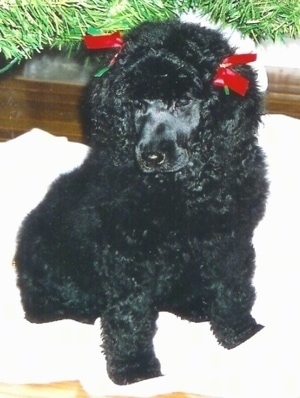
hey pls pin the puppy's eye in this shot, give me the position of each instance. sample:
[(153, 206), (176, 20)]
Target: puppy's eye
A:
[(139, 105), (181, 102)]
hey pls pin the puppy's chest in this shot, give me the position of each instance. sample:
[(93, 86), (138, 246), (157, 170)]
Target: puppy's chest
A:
[(154, 213), (151, 223)]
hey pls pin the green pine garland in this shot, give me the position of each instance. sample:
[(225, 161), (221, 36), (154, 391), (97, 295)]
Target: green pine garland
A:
[(28, 26)]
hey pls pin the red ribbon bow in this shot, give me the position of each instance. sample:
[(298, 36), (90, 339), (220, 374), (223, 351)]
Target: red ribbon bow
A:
[(94, 41), (98, 42), (225, 77)]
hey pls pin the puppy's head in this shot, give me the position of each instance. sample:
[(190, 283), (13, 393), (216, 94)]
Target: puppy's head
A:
[(159, 101), (167, 71)]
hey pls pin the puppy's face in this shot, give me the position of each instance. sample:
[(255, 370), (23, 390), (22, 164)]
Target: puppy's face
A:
[(165, 132), (164, 93)]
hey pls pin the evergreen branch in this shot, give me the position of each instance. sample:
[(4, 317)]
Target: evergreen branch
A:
[(29, 26)]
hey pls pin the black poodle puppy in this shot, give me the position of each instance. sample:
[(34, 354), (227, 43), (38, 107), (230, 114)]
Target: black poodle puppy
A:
[(161, 214)]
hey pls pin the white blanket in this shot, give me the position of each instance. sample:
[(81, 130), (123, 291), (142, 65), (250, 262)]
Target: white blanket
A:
[(192, 361)]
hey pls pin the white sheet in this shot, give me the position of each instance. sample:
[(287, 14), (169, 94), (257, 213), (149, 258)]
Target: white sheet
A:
[(192, 361)]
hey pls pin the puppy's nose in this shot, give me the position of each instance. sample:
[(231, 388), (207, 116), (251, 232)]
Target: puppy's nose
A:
[(153, 159)]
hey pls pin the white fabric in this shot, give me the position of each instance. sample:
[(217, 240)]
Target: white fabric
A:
[(192, 361)]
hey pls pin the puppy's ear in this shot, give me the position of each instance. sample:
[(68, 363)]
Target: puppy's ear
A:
[(104, 115), (93, 108)]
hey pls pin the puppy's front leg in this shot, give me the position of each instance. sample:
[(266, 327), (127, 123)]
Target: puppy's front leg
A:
[(128, 328), (231, 269)]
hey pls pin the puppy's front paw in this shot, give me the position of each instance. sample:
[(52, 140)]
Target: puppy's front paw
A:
[(232, 336), (134, 371)]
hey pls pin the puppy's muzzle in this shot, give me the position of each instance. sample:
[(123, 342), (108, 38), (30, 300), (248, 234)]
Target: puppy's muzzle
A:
[(160, 148), (164, 157)]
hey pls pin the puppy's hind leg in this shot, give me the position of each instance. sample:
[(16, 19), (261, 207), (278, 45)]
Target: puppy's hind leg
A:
[(128, 329)]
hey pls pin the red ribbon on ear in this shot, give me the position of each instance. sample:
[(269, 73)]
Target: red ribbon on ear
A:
[(98, 42), (95, 41), (225, 77)]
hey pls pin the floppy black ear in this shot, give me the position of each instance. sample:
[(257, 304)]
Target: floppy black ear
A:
[(95, 110), (105, 116)]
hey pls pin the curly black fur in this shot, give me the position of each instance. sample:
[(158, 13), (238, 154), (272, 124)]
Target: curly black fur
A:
[(160, 216)]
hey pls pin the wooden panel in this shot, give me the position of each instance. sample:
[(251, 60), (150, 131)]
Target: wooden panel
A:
[(71, 389), (48, 105), (284, 91)]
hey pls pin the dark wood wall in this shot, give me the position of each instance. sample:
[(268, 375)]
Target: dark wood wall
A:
[(283, 94), (54, 106)]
